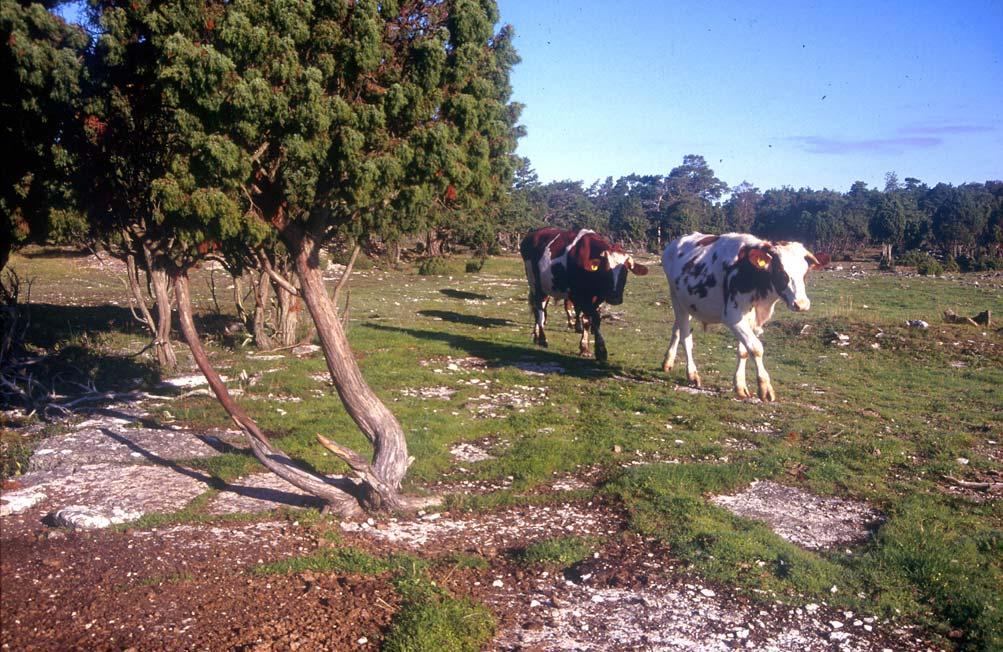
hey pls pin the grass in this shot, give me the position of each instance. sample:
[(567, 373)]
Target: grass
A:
[(562, 551), (430, 619), (884, 424)]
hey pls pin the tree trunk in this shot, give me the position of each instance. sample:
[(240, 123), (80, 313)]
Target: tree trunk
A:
[(132, 274), (378, 424), (337, 492), (165, 352), (238, 299), (259, 317), (288, 314), (433, 245)]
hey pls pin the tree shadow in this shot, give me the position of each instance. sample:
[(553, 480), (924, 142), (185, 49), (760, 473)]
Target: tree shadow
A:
[(53, 324), (278, 496), (509, 355), (54, 252), (472, 320), (461, 294)]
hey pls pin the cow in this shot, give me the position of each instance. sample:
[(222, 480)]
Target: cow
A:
[(580, 267), (734, 279)]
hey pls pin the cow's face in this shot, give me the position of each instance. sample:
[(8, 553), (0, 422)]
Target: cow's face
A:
[(613, 265), (788, 264)]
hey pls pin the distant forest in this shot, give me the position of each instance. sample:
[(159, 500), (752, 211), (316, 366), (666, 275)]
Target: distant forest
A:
[(959, 226)]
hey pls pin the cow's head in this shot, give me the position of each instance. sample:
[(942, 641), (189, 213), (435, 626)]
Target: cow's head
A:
[(788, 264), (612, 265)]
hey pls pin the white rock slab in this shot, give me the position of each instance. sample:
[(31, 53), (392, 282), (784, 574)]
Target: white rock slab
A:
[(811, 521)]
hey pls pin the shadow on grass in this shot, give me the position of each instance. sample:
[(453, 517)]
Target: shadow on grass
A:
[(278, 496), (461, 294), (54, 252), (509, 355), (471, 320)]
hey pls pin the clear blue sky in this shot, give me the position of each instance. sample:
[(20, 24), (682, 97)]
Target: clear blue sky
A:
[(775, 93)]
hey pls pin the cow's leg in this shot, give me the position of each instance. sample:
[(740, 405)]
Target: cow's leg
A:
[(746, 337), (583, 343), (686, 335), (740, 387), (670, 354), (539, 310), (594, 320), (574, 320)]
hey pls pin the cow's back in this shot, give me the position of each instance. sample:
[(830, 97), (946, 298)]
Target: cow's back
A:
[(696, 266)]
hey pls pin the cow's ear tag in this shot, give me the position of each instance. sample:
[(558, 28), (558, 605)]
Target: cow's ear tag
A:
[(594, 265), (759, 258)]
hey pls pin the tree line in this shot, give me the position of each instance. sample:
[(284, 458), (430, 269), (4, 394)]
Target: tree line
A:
[(962, 224)]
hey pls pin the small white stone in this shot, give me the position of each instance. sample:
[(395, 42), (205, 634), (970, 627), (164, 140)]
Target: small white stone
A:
[(362, 641), (534, 603), (811, 608), (497, 583), (835, 624), (708, 593)]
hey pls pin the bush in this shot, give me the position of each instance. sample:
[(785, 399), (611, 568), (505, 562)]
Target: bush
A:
[(951, 265), (433, 267), (475, 265), (913, 258), (928, 266)]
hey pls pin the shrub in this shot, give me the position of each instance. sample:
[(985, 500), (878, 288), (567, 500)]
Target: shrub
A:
[(951, 265), (929, 266), (475, 265), (433, 267)]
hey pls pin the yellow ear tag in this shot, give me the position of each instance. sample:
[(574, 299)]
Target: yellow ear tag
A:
[(594, 268), (761, 263)]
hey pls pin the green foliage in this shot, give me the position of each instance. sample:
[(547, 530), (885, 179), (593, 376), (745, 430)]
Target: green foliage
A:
[(926, 265), (475, 265), (435, 266), (40, 64), (563, 551)]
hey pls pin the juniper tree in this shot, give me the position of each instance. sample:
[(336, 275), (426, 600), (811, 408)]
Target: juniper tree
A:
[(311, 121), (40, 72)]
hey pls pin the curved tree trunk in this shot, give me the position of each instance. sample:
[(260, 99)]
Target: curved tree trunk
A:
[(339, 493), (165, 352), (381, 480)]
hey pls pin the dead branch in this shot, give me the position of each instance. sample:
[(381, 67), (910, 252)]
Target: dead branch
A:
[(981, 486), (343, 281)]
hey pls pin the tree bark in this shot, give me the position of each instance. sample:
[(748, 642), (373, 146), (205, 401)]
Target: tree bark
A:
[(259, 317), (339, 493), (132, 278), (165, 352), (288, 317), (377, 423)]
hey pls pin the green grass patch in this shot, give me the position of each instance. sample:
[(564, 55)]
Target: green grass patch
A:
[(561, 551)]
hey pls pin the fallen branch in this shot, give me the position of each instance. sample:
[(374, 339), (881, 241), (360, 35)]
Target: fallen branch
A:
[(981, 486)]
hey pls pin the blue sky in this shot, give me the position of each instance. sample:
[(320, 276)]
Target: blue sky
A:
[(778, 93)]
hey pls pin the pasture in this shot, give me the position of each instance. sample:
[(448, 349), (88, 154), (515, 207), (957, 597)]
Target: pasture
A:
[(891, 420)]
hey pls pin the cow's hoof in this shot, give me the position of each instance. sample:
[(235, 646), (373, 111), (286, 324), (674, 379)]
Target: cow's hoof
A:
[(766, 393), (742, 391), (601, 355), (694, 379)]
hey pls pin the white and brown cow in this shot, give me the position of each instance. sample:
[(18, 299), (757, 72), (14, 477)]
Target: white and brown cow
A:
[(734, 279), (577, 266)]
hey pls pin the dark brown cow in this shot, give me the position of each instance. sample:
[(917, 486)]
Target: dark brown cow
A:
[(579, 266)]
